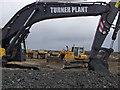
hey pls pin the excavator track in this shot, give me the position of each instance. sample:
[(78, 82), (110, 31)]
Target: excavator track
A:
[(75, 64), (62, 64)]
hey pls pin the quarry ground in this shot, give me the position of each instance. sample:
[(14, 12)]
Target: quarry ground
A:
[(35, 73)]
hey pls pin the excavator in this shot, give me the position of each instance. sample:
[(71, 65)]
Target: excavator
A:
[(17, 29), (77, 53), (74, 57)]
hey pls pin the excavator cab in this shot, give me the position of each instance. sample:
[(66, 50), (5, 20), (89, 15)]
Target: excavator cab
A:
[(79, 53), (19, 53), (77, 50)]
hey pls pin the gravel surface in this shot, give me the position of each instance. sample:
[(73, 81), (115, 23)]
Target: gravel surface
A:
[(54, 78), (37, 74)]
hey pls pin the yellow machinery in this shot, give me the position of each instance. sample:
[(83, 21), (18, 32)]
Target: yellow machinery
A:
[(36, 54), (42, 54), (32, 54), (77, 53), (74, 58), (2, 50)]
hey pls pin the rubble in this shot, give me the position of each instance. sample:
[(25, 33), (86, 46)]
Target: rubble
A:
[(58, 79)]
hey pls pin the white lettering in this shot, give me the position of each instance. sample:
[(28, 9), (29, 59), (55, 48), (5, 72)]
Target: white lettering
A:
[(86, 9), (68, 9), (51, 9), (79, 9), (73, 8), (60, 9)]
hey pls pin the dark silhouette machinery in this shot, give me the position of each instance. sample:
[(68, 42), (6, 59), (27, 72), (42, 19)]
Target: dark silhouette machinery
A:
[(17, 29)]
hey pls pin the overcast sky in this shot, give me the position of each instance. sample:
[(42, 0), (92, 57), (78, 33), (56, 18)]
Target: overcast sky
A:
[(56, 33)]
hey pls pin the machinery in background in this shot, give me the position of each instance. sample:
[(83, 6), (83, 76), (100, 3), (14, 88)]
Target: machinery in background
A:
[(77, 53), (36, 54), (74, 58), (42, 54), (31, 54)]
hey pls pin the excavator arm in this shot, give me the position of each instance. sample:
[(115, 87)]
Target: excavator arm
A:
[(17, 29), (36, 12)]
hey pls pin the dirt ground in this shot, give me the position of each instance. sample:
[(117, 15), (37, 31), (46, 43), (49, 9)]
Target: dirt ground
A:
[(37, 73)]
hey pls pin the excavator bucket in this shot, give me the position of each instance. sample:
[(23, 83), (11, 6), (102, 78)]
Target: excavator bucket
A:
[(100, 63)]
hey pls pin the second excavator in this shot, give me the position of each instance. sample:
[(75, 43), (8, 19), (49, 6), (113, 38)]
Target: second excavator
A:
[(74, 58)]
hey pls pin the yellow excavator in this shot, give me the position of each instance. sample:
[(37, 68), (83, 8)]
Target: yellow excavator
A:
[(77, 53), (74, 58)]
